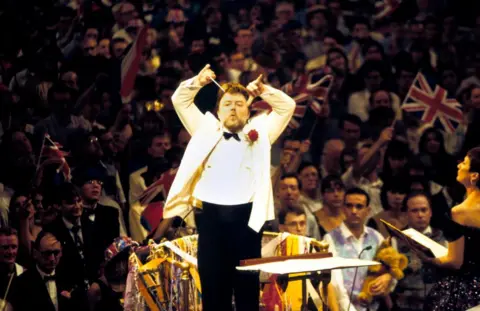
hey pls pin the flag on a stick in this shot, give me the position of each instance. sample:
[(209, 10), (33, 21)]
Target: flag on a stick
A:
[(431, 104), (130, 65), (52, 150), (306, 90)]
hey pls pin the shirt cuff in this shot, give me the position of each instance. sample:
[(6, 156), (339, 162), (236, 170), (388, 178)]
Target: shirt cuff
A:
[(268, 90), (191, 83)]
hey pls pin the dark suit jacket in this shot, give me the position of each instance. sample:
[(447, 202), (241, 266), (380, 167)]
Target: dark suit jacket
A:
[(29, 292), (97, 236)]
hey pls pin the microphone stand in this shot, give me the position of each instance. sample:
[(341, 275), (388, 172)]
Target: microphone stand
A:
[(355, 276)]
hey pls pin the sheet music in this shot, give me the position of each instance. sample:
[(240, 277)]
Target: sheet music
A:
[(308, 265), (437, 249), (476, 308)]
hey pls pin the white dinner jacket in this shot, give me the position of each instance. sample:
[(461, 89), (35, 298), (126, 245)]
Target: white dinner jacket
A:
[(206, 131)]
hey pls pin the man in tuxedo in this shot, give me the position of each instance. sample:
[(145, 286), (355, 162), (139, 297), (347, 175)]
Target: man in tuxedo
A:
[(102, 218), (40, 287), (82, 239), (225, 173), (8, 256)]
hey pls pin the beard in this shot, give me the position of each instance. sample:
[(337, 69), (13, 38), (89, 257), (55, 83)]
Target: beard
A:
[(234, 124)]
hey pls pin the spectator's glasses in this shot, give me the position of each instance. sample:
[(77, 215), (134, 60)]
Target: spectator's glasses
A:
[(154, 106), (89, 48), (94, 181), (47, 254), (93, 139)]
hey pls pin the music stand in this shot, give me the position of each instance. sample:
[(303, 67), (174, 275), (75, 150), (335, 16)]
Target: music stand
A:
[(306, 263)]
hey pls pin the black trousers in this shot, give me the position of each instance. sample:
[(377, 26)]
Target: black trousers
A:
[(224, 239)]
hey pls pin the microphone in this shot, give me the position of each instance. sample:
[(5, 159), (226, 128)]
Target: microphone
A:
[(355, 276)]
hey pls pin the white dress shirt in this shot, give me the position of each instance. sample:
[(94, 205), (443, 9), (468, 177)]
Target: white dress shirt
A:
[(51, 287), (227, 177), (343, 296)]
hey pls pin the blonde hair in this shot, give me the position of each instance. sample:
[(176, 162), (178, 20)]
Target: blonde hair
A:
[(230, 88)]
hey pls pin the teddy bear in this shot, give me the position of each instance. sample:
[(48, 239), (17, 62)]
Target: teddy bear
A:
[(392, 262)]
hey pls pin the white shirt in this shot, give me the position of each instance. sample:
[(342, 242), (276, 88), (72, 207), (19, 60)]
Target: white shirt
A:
[(227, 177), (51, 287), (343, 296), (69, 226)]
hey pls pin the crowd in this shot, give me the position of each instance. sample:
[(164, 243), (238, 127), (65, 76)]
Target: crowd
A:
[(79, 149)]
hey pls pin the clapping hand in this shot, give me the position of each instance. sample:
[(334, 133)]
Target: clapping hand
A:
[(256, 87), (205, 76)]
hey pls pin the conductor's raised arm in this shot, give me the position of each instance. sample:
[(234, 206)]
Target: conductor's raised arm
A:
[(282, 105), (183, 97)]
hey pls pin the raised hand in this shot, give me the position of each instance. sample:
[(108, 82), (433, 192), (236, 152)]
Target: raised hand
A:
[(256, 87), (205, 76), (386, 135)]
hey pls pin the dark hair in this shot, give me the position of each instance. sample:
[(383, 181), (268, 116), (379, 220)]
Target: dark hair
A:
[(356, 190), (155, 135), (289, 209), (330, 182), (397, 150), (422, 180), (347, 151), (438, 135), (399, 185), (372, 96), (304, 165), (414, 194), (60, 88), (474, 155), (348, 117), (174, 155), (67, 191), (8, 231)]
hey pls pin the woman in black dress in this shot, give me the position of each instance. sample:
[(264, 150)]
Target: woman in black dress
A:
[(460, 289)]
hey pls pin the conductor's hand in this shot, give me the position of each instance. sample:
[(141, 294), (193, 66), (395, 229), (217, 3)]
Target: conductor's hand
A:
[(256, 87), (205, 76)]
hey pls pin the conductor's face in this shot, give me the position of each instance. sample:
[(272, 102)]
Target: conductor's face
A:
[(233, 111)]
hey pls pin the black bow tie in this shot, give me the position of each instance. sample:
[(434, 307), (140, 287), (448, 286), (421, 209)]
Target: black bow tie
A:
[(48, 278), (228, 135)]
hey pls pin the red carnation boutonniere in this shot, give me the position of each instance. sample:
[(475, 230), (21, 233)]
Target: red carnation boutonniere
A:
[(252, 136)]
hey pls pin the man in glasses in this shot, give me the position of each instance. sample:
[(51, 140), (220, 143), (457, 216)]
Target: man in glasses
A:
[(102, 218), (352, 239), (42, 286), (292, 219)]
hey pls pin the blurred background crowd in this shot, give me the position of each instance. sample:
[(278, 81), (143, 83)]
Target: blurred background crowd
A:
[(87, 123)]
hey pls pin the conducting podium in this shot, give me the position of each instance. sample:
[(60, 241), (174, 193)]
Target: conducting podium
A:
[(307, 266)]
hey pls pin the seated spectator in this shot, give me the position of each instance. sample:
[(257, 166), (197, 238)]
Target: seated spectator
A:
[(43, 283), (292, 219), (419, 277), (349, 240), (9, 268), (392, 196), (331, 214), (309, 178), (289, 195)]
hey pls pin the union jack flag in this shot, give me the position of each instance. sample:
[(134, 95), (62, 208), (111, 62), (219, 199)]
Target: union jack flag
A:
[(305, 93), (430, 103), (52, 150)]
